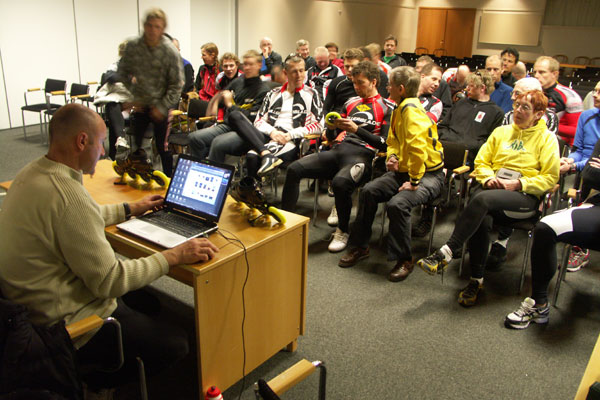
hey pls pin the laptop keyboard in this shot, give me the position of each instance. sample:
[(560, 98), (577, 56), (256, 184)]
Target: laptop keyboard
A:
[(176, 223)]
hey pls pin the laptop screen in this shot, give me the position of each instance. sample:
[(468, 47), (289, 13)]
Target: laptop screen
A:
[(199, 187)]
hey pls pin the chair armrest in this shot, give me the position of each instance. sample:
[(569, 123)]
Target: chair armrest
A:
[(573, 193), (176, 113), (84, 326), (206, 119), (34, 89), (57, 92), (81, 96), (291, 376), (461, 170), (92, 82), (312, 136)]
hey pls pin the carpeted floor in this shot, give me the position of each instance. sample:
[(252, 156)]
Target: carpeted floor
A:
[(408, 340)]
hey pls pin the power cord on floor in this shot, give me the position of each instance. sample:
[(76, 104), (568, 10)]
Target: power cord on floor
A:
[(235, 240)]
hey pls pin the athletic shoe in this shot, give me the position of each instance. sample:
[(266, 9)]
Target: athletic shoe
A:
[(422, 228), (121, 143), (578, 258), (268, 163), (332, 220), (433, 263), (468, 296), (497, 257), (527, 313), (339, 241)]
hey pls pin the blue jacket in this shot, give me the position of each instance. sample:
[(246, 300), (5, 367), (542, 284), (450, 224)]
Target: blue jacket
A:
[(501, 96), (586, 136)]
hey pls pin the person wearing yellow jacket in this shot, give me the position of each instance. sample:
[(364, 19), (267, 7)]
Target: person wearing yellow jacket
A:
[(415, 176), (513, 169)]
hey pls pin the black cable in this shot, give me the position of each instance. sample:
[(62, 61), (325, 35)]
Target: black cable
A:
[(238, 242)]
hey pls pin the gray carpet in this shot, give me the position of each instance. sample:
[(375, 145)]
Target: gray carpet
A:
[(408, 340)]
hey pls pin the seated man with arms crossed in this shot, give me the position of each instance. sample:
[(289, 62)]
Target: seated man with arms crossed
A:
[(244, 94), (56, 261), (287, 114), (348, 164), (565, 102), (414, 161)]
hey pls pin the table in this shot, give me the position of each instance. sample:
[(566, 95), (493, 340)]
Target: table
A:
[(275, 293)]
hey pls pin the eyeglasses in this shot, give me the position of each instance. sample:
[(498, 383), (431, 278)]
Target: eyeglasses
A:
[(523, 106), (517, 93)]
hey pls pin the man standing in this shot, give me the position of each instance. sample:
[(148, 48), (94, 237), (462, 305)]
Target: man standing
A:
[(153, 72), (565, 102), (269, 57), (390, 57), (56, 261), (501, 94), (244, 94), (510, 58), (322, 72), (415, 176)]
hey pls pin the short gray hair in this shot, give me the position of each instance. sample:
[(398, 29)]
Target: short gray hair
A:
[(407, 77)]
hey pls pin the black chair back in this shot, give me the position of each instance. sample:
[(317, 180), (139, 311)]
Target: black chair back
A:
[(53, 85), (78, 89), (454, 155)]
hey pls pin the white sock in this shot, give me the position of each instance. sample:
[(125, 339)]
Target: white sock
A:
[(445, 250), (502, 243), (480, 280)]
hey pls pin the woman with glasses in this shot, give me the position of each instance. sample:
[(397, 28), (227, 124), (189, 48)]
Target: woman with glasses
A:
[(513, 169)]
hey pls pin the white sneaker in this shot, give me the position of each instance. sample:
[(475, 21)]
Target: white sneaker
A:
[(122, 143), (332, 220), (339, 241)]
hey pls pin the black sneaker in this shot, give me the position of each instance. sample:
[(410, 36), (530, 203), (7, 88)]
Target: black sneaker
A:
[(468, 296), (496, 258), (269, 162), (433, 263), (422, 228)]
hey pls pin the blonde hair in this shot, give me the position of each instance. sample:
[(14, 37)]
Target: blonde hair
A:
[(155, 13)]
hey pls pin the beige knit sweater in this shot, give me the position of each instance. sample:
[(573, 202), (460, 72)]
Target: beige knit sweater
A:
[(54, 256)]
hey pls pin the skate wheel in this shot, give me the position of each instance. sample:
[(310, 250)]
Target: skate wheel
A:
[(276, 213), (119, 171), (330, 119), (160, 178)]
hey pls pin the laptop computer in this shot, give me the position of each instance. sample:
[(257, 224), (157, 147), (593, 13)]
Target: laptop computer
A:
[(193, 204)]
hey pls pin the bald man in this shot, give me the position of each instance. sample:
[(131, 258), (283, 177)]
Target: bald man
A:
[(56, 261)]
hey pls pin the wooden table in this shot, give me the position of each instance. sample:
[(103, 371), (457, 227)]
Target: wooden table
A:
[(275, 294)]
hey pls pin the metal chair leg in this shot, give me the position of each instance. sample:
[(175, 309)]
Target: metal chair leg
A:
[(316, 202), (433, 220), (525, 258), (142, 377), (562, 271)]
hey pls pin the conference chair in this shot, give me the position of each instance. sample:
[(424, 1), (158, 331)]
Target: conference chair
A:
[(439, 52), (561, 58), (52, 87), (581, 60), (80, 92), (527, 225), (289, 378), (421, 50)]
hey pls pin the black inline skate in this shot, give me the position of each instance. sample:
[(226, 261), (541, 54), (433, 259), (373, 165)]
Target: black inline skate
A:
[(248, 191)]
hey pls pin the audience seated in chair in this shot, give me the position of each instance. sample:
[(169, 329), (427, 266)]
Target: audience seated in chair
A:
[(470, 122), (286, 115), (362, 131), (244, 95), (502, 91), (207, 73), (431, 76), (519, 71), (390, 57), (230, 63), (269, 57), (114, 96), (383, 78), (334, 50), (510, 58), (564, 101), (340, 89), (577, 226), (442, 92), (322, 72), (415, 162), (56, 261), (375, 51), (457, 80), (303, 51), (515, 167)]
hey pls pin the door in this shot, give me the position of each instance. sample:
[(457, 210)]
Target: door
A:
[(446, 28)]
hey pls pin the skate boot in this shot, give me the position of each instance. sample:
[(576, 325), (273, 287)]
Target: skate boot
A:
[(139, 168), (248, 191)]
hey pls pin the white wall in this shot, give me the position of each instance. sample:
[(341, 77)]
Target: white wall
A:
[(75, 40)]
